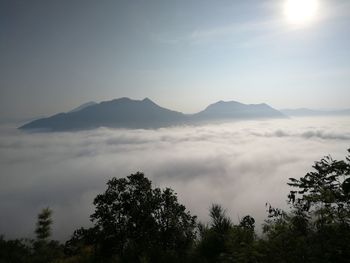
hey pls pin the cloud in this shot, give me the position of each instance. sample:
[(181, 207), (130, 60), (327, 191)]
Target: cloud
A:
[(241, 165), (320, 134)]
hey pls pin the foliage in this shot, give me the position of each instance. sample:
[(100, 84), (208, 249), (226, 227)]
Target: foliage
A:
[(317, 228), (14, 251), (43, 227), (222, 241), (43, 249), (40, 250), (213, 238), (134, 221), (325, 193)]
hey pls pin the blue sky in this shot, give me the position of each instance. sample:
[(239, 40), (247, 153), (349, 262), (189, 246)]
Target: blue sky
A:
[(184, 55)]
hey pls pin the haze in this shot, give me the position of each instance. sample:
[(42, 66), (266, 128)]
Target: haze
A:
[(241, 165), (56, 55), (184, 56)]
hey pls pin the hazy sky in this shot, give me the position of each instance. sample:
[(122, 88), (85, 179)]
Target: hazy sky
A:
[(55, 55)]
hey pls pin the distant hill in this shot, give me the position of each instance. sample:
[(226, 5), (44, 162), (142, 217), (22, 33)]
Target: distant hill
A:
[(118, 113), (144, 114), (222, 110), (309, 112)]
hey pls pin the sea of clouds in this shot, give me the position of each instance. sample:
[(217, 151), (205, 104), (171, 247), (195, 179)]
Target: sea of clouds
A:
[(240, 165)]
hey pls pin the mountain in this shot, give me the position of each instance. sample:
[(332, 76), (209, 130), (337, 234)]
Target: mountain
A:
[(223, 110), (145, 114), (83, 106), (309, 112), (118, 113)]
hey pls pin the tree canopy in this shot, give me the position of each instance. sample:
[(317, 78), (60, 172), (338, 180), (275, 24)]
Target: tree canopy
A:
[(132, 216), (135, 222)]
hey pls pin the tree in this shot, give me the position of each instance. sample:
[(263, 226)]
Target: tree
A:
[(317, 229), (45, 249), (14, 251), (134, 221), (212, 246), (324, 194), (219, 221), (43, 226), (242, 242), (222, 241), (81, 245)]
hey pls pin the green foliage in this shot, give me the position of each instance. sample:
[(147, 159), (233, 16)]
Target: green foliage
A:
[(14, 251), (212, 245), (220, 223), (324, 193), (247, 223), (135, 222), (317, 229), (222, 241), (82, 243), (285, 241), (40, 250)]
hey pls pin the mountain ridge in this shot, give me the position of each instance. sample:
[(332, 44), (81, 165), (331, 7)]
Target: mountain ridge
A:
[(83, 106), (145, 114)]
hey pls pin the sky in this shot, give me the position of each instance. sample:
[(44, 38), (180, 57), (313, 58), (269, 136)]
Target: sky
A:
[(184, 55), (240, 165)]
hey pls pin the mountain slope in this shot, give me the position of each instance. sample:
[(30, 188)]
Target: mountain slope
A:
[(222, 110), (83, 106), (118, 113), (145, 114)]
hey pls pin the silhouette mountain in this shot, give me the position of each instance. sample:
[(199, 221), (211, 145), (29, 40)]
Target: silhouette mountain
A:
[(223, 110), (309, 112), (118, 113), (144, 114), (83, 106)]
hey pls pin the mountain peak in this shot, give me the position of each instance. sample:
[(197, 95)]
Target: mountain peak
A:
[(118, 113), (223, 104), (143, 114), (122, 99), (226, 102), (147, 99), (237, 110)]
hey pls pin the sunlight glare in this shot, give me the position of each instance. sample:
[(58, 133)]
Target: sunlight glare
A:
[(300, 12)]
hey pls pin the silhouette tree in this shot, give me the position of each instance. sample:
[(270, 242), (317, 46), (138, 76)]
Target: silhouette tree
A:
[(248, 223), (317, 229), (14, 251), (213, 237), (135, 222), (219, 221), (45, 249), (43, 226), (325, 193)]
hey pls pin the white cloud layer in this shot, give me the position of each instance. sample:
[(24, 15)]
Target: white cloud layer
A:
[(241, 165)]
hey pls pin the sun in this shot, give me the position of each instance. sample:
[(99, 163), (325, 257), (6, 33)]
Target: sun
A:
[(300, 12)]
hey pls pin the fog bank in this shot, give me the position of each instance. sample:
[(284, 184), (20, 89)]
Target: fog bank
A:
[(241, 165)]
